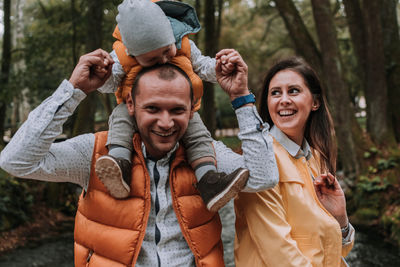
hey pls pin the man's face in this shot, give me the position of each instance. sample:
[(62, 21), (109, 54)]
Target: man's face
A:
[(162, 110)]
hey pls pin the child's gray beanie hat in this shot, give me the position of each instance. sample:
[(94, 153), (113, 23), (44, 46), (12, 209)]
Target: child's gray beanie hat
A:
[(143, 26)]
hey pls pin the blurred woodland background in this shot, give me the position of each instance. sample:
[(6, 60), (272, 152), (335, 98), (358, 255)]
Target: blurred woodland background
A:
[(353, 44)]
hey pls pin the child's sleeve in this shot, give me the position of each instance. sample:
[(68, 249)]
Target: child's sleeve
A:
[(117, 75), (203, 66)]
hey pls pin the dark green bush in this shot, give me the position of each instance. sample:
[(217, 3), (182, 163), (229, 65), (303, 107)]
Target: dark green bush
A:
[(15, 201)]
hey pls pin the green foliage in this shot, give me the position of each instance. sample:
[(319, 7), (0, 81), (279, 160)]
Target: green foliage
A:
[(375, 198), (371, 152), (232, 142), (391, 222), (225, 116), (385, 164), (50, 39), (367, 215), (255, 29), (15, 201), (376, 183)]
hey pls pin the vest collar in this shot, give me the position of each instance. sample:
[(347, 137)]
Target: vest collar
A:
[(291, 147)]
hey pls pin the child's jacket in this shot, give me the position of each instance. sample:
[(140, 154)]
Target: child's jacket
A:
[(184, 21)]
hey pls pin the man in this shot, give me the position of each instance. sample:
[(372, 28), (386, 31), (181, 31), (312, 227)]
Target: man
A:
[(164, 222)]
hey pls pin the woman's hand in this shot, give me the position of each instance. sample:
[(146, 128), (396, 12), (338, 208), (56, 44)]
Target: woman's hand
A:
[(331, 195)]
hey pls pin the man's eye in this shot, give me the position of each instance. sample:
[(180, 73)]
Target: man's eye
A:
[(178, 110), (151, 109)]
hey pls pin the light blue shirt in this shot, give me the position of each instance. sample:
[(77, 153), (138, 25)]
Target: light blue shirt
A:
[(291, 147)]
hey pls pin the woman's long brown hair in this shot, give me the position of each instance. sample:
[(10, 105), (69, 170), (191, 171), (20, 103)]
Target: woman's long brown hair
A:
[(319, 132)]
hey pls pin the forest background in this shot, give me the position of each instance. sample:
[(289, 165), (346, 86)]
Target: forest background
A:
[(353, 44)]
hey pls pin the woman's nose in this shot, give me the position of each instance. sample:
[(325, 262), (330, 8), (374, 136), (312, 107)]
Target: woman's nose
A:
[(285, 99)]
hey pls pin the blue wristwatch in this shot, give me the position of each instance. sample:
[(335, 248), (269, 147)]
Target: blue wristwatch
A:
[(243, 100)]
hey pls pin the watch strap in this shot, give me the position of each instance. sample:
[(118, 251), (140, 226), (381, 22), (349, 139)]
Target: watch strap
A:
[(243, 100)]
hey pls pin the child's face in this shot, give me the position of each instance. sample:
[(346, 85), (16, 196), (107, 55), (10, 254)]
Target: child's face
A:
[(159, 56)]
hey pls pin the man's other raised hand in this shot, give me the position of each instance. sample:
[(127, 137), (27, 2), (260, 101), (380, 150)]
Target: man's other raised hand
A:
[(92, 70)]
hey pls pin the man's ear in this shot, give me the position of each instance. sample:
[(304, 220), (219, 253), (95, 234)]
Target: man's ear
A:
[(316, 104), (130, 104)]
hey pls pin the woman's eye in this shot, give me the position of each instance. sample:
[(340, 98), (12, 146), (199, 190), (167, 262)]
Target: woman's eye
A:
[(275, 92), (294, 91)]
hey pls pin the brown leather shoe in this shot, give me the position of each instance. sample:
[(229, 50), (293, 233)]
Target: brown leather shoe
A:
[(217, 189), (115, 174)]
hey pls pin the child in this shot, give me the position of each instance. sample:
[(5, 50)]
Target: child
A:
[(155, 33)]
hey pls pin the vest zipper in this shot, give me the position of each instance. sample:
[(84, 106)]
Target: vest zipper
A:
[(89, 256)]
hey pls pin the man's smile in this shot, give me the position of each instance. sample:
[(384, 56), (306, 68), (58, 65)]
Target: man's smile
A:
[(164, 134)]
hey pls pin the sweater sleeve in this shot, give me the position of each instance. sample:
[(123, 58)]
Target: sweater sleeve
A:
[(203, 66), (258, 155), (117, 75), (32, 153)]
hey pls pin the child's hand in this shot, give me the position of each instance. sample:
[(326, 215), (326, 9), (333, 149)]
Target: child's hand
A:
[(101, 71), (226, 66)]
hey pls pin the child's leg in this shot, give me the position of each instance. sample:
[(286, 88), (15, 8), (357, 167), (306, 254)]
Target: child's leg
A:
[(199, 150), (120, 133), (114, 169), (215, 188)]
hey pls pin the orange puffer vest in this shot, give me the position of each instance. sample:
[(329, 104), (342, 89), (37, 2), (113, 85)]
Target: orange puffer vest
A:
[(132, 68), (110, 232)]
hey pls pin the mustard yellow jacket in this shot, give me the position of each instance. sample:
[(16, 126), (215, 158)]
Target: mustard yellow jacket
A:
[(287, 225)]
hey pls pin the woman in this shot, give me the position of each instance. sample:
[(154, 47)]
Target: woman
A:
[(302, 221)]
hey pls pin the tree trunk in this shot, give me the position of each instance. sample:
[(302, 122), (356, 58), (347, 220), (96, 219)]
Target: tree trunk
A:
[(304, 44), (85, 119), (197, 7), (391, 44), (210, 50), (219, 23), (355, 20), (5, 66), (378, 125), (338, 94), (73, 46)]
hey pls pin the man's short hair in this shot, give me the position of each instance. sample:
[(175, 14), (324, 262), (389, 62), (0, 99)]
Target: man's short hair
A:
[(166, 72)]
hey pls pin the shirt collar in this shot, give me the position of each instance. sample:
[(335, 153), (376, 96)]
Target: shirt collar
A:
[(165, 158), (294, 149)]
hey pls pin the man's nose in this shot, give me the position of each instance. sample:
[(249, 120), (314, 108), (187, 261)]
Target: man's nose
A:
[(165, 121)]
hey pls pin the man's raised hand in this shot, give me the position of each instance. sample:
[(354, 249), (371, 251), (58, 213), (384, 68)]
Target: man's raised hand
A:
[(231, 72), (92, 70)]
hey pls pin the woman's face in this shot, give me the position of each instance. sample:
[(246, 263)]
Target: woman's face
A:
[(290, 103)]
